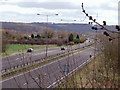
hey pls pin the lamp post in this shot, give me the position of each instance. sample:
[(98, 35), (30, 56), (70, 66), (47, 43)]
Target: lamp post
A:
[(66, 66), (67, 35), (46, 29), (91, 24)]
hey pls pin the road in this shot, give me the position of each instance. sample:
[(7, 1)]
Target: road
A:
[(13, 61), (49, 73)]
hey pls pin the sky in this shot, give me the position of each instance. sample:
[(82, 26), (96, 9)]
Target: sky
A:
[(68, 10)]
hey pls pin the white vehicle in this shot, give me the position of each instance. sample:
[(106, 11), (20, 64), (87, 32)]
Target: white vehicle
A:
[(30, 50)]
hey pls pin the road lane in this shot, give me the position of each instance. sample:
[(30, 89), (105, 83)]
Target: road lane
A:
[(50, 71), (18, 59)]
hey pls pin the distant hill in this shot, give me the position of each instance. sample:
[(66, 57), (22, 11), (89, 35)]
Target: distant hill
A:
[(74, 27), (67, 26), (37, 27), (21, 27)]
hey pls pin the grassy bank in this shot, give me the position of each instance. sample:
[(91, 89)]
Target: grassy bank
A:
[(92, 75)]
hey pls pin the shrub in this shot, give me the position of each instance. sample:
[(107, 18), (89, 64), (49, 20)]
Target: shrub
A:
[(82, 40), (59, 43), (76, 41), (71, 43)]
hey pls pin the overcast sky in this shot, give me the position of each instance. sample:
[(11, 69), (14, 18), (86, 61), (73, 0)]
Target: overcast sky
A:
[(68, 10)]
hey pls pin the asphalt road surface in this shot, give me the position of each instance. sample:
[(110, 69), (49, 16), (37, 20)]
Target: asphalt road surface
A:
[(20, 58), (48, 73)]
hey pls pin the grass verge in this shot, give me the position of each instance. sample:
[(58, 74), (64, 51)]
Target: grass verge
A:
[(86, 78), (15, 48)]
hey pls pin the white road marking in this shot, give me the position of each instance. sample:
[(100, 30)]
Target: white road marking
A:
[(69, 73), (17, 58), (29, 71), (24, 83), (34, 69), (44, 52), (36, 78)]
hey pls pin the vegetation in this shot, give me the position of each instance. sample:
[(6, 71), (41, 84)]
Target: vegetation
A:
[(28, 28), (9, 36), (102, 71), (77, 37), (77, 41), (14, 48), (29, 67), (32, 36), (4, 43), (71, 38), (53, 37), (38, 36)]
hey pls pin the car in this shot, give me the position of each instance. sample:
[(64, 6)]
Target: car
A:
[(62, 48), (90, 55), (30, 50)]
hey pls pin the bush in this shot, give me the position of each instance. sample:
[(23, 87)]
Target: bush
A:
[(4, 42), (59, 43), (71, 38), (71, 43), (82, 40), (76, 41)]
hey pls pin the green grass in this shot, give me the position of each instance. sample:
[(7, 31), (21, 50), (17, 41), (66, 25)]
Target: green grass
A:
[(76, 77), (87, 72), (14, 48)]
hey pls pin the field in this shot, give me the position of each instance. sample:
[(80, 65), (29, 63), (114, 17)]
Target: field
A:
[(14, 48)]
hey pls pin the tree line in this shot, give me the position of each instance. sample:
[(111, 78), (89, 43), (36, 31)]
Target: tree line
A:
[(52, 37)]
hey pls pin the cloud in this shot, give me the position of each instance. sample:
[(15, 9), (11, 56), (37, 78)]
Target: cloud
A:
[(48, 5), (67, 9), (45, 5)]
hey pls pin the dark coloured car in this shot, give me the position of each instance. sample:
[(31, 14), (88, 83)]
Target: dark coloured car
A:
[(62, 48)]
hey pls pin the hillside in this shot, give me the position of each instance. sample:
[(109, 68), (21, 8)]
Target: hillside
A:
[(37, 27), (67, 26), (21, 27)]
